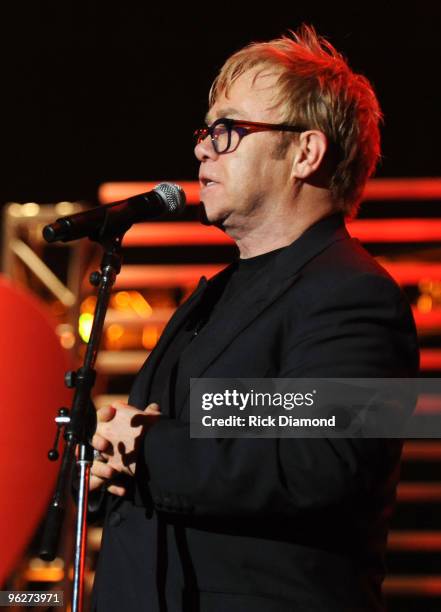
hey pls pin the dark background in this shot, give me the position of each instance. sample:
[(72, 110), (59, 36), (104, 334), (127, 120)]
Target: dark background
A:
[(92, 93)]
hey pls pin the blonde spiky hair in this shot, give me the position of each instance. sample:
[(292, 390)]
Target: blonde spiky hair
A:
[(317, 89)]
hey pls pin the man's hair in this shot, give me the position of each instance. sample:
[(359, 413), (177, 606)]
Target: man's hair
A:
[(318, 90)]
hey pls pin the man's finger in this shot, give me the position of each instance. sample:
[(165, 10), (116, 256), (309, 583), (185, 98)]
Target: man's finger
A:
[(102, 470), (95, 482), (100, 443), (104, 414), (116, 490), (152, 409)]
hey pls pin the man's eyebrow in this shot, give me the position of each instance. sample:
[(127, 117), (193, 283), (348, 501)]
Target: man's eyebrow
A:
[(223, 112)]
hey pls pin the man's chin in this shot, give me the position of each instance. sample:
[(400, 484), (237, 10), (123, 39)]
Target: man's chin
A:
[(206, 220)]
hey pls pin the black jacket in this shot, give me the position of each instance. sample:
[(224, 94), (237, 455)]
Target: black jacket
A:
[(268, 525)]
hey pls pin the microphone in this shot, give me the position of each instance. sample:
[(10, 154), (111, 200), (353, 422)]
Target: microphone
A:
[(115, 219)]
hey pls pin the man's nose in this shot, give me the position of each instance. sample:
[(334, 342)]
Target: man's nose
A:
[(204, 149)]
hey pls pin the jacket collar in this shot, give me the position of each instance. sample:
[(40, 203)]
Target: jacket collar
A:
[(314, 240)]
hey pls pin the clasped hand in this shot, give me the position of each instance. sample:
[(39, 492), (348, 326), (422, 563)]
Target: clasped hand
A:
[(118, 434)]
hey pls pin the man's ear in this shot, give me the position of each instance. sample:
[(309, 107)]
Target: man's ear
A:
[(311, 149)]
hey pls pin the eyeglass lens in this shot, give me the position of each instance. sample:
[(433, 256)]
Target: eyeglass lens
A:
[(221, 136)]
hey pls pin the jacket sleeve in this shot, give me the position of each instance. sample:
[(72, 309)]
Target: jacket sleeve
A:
[(362, 329)]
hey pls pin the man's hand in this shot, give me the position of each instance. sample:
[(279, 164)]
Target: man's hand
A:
[(102, 474), (118, 434)]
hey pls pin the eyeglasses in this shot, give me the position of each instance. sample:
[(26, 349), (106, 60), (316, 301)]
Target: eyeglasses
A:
[(226, 134)]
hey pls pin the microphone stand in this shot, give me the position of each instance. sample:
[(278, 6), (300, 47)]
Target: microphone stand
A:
[(79, 426)]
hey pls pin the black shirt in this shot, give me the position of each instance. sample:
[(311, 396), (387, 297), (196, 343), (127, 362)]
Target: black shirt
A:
[(219, 294)]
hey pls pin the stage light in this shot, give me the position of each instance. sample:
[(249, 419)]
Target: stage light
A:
[(150, 337), (85, 326), (31, 209), (140, 304), (88, 305), (65, 208), (424, 303), (122, 300)]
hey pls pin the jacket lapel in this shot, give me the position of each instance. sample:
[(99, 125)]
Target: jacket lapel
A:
[(215, 337)]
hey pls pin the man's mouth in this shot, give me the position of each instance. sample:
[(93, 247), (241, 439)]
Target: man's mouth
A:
[(206, 182)]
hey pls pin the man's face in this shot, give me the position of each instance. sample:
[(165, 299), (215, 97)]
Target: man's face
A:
[(242, 187)]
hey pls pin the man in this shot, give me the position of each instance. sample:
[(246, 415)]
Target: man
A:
[(216, 525)]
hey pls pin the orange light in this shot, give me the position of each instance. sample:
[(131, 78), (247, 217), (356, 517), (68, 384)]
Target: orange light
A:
[(391, 189), (132, 300), (48, 574), (164, 276), (430, 359), (415, 540), (45, 571), (396, 230), (114, 332), (140, 304), (413, 585), (122, 300), (424, 303), (178, 233), (411, 272), (88, 305), (111, 192), (149, 337), (403, 189), (425, 285), (67, 340), (421, 451), (367, 230), (419, 492), (427, 322)]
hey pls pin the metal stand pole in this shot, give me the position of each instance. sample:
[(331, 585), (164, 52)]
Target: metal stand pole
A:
[(79, 427)]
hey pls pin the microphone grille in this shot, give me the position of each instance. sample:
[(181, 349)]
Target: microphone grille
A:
[(172, 195)]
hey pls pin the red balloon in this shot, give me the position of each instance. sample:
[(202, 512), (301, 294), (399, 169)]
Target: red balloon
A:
[(32, 366)]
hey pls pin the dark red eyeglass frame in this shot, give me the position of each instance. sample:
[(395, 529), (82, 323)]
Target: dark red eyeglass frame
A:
[(243, 128)]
